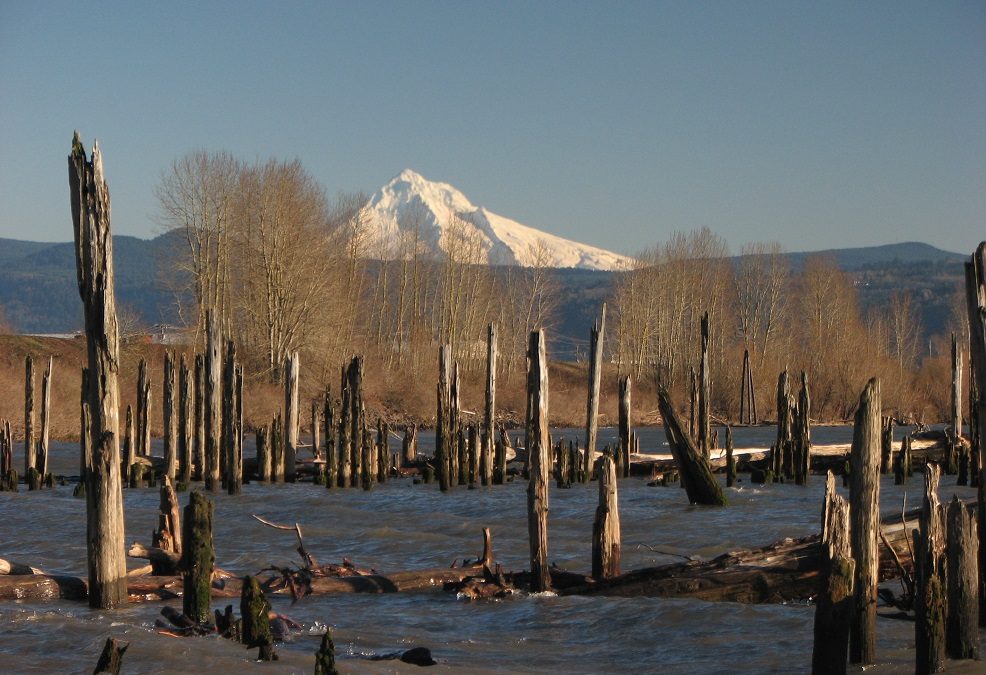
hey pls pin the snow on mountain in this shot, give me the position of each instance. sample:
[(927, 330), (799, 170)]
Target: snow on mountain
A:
[(441, 219)]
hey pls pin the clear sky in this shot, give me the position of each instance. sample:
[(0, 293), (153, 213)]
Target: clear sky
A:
[(815, 124)]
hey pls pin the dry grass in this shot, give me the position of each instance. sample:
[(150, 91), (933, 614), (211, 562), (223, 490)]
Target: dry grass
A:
[(398, 398)]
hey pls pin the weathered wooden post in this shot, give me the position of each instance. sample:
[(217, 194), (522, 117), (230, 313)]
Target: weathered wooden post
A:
[(975, 278), (930, 589), (232, 421), (367, 473), (170, 420), (129, 446), (704, 393), (198, 557), (30, 456), (886, 443), (748, 397), (331, 459), (316, 430), (443, 426), (213, 401), (730, 460), (473, 453), (345, 459), (263, 454), (276, 450), (962, 625), (489, 407), (956, 433), (357, 416), (802, 433), (500, 460), (864, 503), (624, 422), (94, 266), (833, 605), (255, 610), (185, 422), (592, 398), (383, 450), (325, 657), (143, 410), (198, 451), (693, 404), (168, 535), (697, 479), (409, 446), (291, 416), (606, 527), (539, 449), (42, 463)]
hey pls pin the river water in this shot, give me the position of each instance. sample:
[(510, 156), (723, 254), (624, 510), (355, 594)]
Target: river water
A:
[(401, 526)]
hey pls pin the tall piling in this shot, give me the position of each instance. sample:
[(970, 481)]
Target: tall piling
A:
[(592, 397), (539, 450)]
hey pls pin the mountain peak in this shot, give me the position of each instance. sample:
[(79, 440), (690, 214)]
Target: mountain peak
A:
[(438, 214)]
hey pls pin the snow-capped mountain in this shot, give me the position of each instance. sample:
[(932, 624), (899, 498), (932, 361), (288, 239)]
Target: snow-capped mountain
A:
[(440, 218)]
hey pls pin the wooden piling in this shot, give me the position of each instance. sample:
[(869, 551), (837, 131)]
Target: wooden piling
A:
[(276, 450), (606, 527), (500, 460), (143, 410), (168, 535), (42, 454), (730, 460), (292, 414), (624, 422), (409, 446), (886, 443), (198, 558), (185, 422), (94, 266), (383, 450), (962, 624), (833, 605), (331, 457), (198, 449), (170, 419), (213, 401), (255, 610), (263, 454), (697, 479), (325, 657), (592, 399), (864, 501), (357, 416), (956, 425), (30, 457), (472, 444), (975, 278), (539, 450), (801, 436), (111, 658), (704, 393), (930, 589), (443, 422), (489, 408), (345, 458)]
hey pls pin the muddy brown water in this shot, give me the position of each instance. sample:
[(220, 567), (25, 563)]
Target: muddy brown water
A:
[(399, 526)]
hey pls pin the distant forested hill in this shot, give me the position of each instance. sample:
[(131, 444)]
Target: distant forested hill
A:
[(38, 289)]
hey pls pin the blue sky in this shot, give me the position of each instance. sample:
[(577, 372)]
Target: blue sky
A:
[(813, 124)]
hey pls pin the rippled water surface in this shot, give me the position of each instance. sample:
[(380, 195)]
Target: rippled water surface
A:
[(401, 526)]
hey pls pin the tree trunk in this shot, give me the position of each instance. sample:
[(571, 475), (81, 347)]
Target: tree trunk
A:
[(864, 503), (539, 450), (94, 266), (592, 403)]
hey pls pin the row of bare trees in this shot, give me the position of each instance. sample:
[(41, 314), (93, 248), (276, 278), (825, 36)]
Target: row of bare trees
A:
[(284, 269), (807, 319)]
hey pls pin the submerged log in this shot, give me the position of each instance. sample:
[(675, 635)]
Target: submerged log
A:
[(700, 484)]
